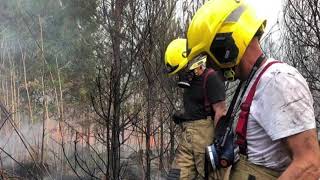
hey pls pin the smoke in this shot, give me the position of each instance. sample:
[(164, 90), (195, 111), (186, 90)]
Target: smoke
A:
[(23, 157), (24, 143)]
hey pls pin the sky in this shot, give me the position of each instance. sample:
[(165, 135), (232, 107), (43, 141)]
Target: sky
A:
[(270, 9)]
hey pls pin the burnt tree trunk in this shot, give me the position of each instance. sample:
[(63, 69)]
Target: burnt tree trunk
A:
[(172, 149), (116, 78), (161, 140)]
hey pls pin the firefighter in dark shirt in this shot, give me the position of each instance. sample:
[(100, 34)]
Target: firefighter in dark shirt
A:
[(204, 104)]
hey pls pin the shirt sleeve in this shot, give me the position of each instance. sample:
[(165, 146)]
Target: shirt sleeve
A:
[(284, 106), (215, 88)]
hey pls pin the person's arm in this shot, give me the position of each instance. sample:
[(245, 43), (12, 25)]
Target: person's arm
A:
[(305, 152), (216, 96), (220, 109)]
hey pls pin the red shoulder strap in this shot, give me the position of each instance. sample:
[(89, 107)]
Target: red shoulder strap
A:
[(241, 129), (204, 87), (254, 86)]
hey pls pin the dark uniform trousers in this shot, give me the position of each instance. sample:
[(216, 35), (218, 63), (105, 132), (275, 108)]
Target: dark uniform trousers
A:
[(190, 153)]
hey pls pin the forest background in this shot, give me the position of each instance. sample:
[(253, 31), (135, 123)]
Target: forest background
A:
[(83, 93)]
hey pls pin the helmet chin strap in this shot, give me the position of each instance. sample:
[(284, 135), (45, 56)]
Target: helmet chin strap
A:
[(229, 74)]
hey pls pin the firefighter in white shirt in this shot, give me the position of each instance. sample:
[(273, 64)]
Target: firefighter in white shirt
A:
[(280, 138)]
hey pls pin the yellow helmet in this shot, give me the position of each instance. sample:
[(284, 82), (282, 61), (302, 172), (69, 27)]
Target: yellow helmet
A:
[(175, 56), (223, 29)]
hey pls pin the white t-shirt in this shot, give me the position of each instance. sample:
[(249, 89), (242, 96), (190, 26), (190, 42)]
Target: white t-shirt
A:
[(282, 106)]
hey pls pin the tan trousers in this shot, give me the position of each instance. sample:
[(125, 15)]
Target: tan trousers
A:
[(244, 170), (190, 154)]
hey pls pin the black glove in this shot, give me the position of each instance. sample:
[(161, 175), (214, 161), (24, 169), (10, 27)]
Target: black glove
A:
[(178, 117), (174, 174)]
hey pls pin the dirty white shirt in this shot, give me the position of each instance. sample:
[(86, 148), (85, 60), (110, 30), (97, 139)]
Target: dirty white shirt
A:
[(282, 106)]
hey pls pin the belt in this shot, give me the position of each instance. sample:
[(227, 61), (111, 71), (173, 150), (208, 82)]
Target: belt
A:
[(202, 118), (254, 170)]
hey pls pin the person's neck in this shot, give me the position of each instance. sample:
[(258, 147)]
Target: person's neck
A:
[(201, 71), (249, 59)]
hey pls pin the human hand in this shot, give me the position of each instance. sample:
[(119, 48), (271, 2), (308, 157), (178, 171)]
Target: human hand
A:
[(177, 117)]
